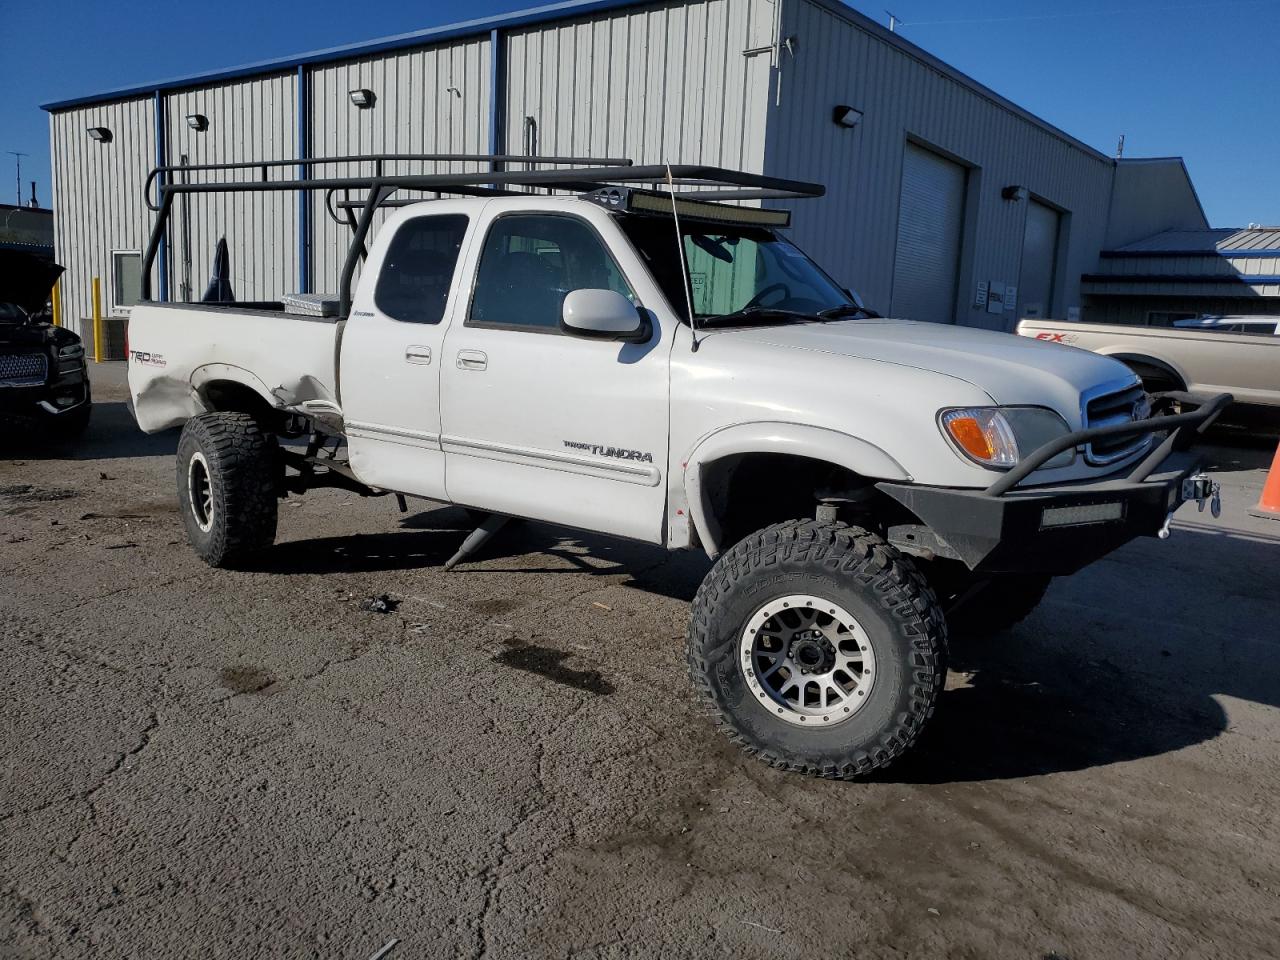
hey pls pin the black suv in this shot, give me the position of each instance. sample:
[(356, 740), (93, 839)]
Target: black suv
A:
[(43, 379)]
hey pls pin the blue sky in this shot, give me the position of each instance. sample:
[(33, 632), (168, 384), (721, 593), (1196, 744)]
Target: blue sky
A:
[(1177, 77)]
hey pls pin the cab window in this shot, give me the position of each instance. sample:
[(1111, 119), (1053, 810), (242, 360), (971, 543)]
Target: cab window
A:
[(530, 263), (418, 270)]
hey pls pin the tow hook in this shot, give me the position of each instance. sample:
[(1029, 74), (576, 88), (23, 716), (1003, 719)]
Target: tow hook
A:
[(1203, 489)]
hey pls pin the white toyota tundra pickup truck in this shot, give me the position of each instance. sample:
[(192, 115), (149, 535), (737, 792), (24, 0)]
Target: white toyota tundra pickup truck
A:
[(634, 356)]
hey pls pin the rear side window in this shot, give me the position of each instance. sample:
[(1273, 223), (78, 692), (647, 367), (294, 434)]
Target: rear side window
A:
[(531, 262), (418, 270)]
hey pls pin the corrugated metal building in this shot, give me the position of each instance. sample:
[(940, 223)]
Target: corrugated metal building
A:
[(1179, 274), (947, 202), (27, 230)]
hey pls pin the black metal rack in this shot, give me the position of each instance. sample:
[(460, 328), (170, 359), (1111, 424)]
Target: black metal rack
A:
[(572, 174)]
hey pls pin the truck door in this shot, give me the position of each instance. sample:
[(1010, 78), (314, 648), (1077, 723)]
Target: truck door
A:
[(391, 353), (543, 424)]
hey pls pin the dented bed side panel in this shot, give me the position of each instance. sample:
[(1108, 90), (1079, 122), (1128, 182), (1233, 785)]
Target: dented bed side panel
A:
[(177, 351)]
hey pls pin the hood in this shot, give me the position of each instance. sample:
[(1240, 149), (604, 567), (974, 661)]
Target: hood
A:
[(1008, 368), (26, 280)]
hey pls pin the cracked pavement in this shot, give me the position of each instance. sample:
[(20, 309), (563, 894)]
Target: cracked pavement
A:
[(510, 764)]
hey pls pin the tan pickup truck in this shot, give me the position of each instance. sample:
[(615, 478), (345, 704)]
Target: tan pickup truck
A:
[(1237, 355)]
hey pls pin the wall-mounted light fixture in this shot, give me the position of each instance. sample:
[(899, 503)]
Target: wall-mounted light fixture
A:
[(100, 134), (846, 116), (198, 121), (362, 98), (1015, 193)]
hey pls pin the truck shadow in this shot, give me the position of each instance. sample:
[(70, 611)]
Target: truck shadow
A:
[(1124, 661), (1012, 720), (430, 537), (360, 553), (112, 435), (1109, 669)]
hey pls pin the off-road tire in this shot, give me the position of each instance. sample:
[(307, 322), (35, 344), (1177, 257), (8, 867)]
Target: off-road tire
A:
[(999, 604), (867, 577), (243, 469)]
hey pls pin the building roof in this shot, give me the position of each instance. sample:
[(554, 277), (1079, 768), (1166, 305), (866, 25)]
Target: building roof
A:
[(1228, 262), (416, 38), (1223, 242), (565, 9)]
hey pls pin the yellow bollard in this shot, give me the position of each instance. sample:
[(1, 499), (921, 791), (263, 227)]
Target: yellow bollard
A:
[(97, 320), (57, 303)]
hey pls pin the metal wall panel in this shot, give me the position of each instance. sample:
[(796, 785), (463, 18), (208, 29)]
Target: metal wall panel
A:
[(428, 101), (248, 120), (852, 232), (673, 82), (97, 196), (699, 81)]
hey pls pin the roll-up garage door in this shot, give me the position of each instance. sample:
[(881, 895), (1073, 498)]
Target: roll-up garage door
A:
[(930, 226), (1039, 261)]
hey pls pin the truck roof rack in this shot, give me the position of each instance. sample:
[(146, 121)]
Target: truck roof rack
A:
[(567, 174)]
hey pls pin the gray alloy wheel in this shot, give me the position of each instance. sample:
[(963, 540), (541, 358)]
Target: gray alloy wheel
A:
[(807, 659)]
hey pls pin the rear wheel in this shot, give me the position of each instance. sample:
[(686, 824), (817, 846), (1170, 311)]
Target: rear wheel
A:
[(819, 648), (228, 474)]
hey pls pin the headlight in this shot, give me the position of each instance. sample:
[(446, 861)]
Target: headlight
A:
[(1000, 436), (72, 351)]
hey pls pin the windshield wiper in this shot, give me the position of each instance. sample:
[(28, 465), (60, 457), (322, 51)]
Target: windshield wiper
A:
[(752, 315), (847, 310)]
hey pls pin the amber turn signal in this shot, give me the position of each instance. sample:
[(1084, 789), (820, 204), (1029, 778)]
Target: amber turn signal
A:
[(982, 434)]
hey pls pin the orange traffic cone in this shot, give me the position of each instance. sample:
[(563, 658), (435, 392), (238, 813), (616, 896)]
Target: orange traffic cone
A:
[(1269, 505)]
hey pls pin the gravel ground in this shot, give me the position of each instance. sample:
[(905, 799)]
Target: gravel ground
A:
[(509, 764)]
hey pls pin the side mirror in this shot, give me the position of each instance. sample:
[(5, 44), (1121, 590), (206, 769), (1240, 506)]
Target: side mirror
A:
[(603, 315)]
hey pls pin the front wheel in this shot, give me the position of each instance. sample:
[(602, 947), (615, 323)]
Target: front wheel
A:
[(819, 648), (227, 477)]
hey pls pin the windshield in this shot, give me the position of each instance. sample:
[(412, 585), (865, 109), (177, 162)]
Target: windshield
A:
[(12, 313), (736, 273)]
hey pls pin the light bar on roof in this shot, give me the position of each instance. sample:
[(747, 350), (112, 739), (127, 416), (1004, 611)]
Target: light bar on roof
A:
[(653, 202)]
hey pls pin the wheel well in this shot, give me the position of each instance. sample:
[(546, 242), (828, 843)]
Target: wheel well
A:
[(230, 396), (748, 491), (1152, 371)]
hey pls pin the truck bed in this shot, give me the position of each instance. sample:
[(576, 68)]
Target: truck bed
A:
[(178, 350), (1205, 361)]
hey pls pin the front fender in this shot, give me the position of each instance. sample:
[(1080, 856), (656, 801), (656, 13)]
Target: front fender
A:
[(815, 443)]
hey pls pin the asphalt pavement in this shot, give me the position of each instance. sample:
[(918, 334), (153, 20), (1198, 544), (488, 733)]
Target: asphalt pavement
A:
[(508, 762)]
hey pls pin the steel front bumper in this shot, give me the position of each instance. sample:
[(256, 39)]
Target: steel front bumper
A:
[(1059, 529)]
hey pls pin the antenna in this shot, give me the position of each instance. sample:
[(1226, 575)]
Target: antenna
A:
[(684, 267), (1120, 148), (894, 20), (18, 159)]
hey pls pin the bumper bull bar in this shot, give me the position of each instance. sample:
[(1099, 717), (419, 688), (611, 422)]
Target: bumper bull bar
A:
[(1058, 529)]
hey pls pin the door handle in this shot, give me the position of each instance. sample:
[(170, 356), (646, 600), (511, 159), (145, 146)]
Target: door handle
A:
[(416, 353), (472, 360)]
